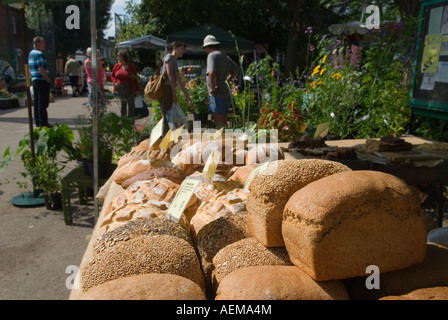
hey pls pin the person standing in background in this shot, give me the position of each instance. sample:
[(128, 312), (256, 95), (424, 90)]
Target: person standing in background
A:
[(219, 69), (40, 77), (59, 84), (125, 80), (101, 75), (72, 71)]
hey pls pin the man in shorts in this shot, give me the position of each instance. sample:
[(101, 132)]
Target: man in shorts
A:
[(219, 68)]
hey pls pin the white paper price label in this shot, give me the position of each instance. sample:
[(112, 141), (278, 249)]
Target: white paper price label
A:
[(156, 133), (182, 198)]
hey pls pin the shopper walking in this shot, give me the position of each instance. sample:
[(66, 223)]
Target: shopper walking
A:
[(175, 51), (72, 71), (100, 79), (125, 80), (219, 69), (40, 77)]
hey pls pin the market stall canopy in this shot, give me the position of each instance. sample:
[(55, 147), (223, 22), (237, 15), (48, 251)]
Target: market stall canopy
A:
[(146, 42), (194, 38)]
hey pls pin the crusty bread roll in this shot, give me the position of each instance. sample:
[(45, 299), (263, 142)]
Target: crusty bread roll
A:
[(133, 155), (245, 253), (133, 168), (216, 235), (145, 199), (277, 283), (432, 272), (272, 188), (435, 293), (217, 206), (173, 174), (151, 286), (155, 245), (335, 227), (240, 174)]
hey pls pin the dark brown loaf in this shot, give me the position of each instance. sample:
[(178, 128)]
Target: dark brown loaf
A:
[(272, 188), (334, 228), (277, 283), (432, 272), (151, 286)]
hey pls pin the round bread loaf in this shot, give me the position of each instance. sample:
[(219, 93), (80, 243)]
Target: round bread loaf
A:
[(216, 235), (262, 153), (240, 174), (151, 286), (435, 293), (173, 174), (139, 247), (216, 206), (133, 155), (245, 253), (277, 283), (336, 227), (271, 189), (432, 272)]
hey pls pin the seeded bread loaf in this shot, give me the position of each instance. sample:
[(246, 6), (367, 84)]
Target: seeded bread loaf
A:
[(277, 283), (140, 247), (245, 253), (335, 227), (151, 286), (272, 188), (216, 235)]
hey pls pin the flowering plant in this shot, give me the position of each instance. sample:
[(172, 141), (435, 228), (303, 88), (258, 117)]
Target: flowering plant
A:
[(197, 88)]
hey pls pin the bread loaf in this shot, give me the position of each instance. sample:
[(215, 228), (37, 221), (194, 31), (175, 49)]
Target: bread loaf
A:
[(240, 174), (133, 155), (262, 153), (217, 206), (432, 272), (172, 174), (435, 293), (133, 168), (245, 253), (277, 283), (140, 247), (334, 228), (151, 286), (272, 188), (216, 235)]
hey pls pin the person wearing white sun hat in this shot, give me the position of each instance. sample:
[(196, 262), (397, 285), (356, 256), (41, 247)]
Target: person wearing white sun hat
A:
[(219, 68)]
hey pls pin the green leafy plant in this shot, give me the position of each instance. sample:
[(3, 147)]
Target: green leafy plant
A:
[(197, 88)]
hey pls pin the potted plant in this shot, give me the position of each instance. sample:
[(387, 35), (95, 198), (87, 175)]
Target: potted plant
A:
[(44, 168)]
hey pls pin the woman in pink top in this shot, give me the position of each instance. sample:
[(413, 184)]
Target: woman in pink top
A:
[(100, 79)]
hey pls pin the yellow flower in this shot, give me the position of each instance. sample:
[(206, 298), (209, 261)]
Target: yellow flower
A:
[(337, 76), (322, 71), (315, 71), (324, 59)]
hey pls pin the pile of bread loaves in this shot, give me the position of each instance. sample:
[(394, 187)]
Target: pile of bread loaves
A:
[(307, 229)]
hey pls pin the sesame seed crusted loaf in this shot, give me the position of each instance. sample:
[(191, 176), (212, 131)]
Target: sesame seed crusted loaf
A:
[(244, 253), (216, 235), (271, 189), (153, 245), (335, 227), (277, 283), (151, 286)]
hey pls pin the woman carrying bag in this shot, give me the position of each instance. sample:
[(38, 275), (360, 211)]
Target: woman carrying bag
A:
[(175, 51)]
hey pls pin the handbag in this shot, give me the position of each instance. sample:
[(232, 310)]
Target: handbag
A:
[(155, 88)]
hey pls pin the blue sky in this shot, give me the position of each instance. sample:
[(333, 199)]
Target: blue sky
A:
[(118, 7)]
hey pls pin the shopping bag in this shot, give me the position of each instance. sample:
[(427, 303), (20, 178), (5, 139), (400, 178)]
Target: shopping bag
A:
[(176, 117), (141, 108), (155, 88)]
